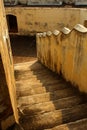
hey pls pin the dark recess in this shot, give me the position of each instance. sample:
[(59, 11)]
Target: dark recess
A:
[(12, 23)]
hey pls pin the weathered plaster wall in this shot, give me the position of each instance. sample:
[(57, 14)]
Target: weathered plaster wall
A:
[(65, 52), (7, 81), (39, 19)]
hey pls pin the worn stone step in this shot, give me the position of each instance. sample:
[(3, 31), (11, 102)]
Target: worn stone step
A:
[(35, 78), (31, 74), (33, 66), (37, 71), (38, 74), (77, 125), (54, 118), (29, 89), (43, 71), (39, 98), (41, 77), (52, 105), (39, 82)]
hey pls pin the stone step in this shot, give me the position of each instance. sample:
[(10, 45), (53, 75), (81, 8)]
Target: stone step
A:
[(41, 77), (39, 82), (77, 125), (38, 73), (52, 105), (54, 118), (32, 66), (31, 74), (45, 97), (35, 72), (29, 89)]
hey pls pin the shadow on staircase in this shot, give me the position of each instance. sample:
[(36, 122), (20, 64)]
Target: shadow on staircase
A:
[(46, 100)]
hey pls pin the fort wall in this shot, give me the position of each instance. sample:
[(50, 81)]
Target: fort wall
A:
[(39, 19), (65, 52)]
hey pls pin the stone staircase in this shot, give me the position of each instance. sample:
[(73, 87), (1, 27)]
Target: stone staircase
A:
[(46, 101)]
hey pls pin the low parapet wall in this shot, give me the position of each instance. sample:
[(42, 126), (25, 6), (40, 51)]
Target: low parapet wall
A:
[(31, 20), (65, 52)]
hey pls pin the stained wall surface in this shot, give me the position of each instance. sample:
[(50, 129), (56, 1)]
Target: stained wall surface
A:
[(7, 81), (65, 52), (40, 19)]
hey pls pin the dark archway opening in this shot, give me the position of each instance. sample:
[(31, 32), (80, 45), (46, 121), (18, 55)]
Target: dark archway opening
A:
[(23, 48), (12, 23)]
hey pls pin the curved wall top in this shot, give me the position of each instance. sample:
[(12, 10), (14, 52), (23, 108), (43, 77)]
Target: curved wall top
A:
[(80, 28)]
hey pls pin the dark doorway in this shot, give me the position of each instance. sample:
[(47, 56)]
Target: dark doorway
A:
[(23, 48), (12, 23)]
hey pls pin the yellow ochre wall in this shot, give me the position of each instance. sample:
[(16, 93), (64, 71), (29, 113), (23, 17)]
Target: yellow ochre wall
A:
[(8, 70), (40, 19), (65, 52)]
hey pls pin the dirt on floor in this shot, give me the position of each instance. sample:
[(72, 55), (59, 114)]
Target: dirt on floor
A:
[(23, 48)]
